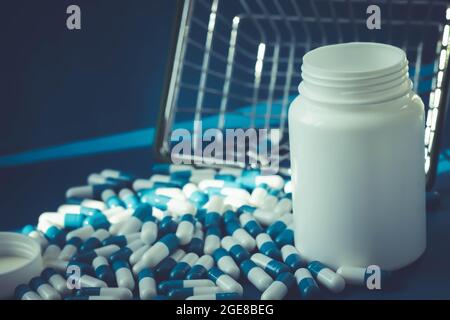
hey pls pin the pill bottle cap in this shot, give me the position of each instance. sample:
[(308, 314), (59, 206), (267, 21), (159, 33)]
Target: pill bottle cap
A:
[(20, 260)]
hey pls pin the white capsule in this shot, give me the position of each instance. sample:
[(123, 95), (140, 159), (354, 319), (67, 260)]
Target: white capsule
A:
[(31, 295), (259, 278), (147, 288), (87, 281), (189, 188), (174, 193), (58, 265), (245, 239), (269, 203), (212, 242), (94, 204), (235, 193), (141, 184), (273, 181), (265, 217), (327, 277), (228, 284), (118, 214), (214, 204), (152, 257), (149, 232), (233, 203), (83, 233), (283, 206), (115, 228), (185, 231), (118, 293), (288, 187), (353, 275), (132, 225), (257, 196), (107, 251), (206, 261), (179, 207), (160, 178), (137, 255), (39, 237), (276, 291), (210, 183), (227, 265), (51, 252), (67, 252), (47, 292), (236, 172), (124, 278), (59, 283)]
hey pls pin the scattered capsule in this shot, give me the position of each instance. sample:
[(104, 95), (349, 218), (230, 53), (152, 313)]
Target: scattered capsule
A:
[(87, 281), (183, 266), (163, 268), (83, 233), (24, 292), (63, 220), (88, 256), (118, 215), (262, 216), (358, 276), (103, 270), (283, 206), (87, 191), (133, 224), (291, 257), (217, 296), (183, 293), (286, 236), (196, 245), (256, 275), (279, 288), (226, 263), (258, 195), (267, 246), (124, 277), (45, 290), (185, 229), (146, 284), (270, 201), (175, 206), (130, 199), (194, 195), (160, 250), (121, 240), (31, 232), (233, 229), (97, 221), (118, 293), (166, 286), (51, 232), (95, 240), (212, 240), (306, 284), (249, 223), (56, 281), (70, 249), (51, 252), (137, 255), (200, 269), (125, 252), (149, 231), (327, 277), (271, 266), (279, 225), (224, 281), (110, 198), (238, 252), (167, 225)]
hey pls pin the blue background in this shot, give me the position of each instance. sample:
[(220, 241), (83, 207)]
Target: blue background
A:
[(67, 88)]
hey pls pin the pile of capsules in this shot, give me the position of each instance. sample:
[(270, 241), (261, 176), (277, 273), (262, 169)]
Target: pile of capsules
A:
[(185, 233)]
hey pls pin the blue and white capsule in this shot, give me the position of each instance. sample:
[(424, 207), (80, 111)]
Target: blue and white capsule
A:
[(252, 181), (83, 233), (96, 178), (125, 252), (306, 284), (70, 249), (95, 240), (194, 195), (258, 195), (291, 257), (160, 250), (163, 268), (201, 267), (267, 246), (124, 277), (149, 231), (256, 275), (175, 206), (137, 255), (63, 220), (167, 225), (216, 184), (237, 251), (117, 174), (103, 271), (56, 281), (32, 232), (185, 230), (24, 292), (183, 266), (212, 240), (224, 281), (88, 256), (142, 213), (283, 206), (243, 237), (88, 191), (217, 296), (166, 286), (226, 263), (279, 288), (130, 199), (286, 236), (270, 265), (117, 293), (111, 199), (249, 223), (327, 277), (82, 206), (184, 293), (121, 240), (51, 252), (45, 290), (146, 284), (53, 233), (359, 276)]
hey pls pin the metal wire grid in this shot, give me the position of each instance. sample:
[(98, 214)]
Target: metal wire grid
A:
[(238, 61)]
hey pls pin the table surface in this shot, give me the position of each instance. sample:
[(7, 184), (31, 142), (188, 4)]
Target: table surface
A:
[(28, 190)]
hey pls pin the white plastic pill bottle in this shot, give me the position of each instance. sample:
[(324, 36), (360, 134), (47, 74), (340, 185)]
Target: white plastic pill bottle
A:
[(357, 154)]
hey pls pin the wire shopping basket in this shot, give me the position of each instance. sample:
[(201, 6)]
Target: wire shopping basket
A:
[(236, 63)]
